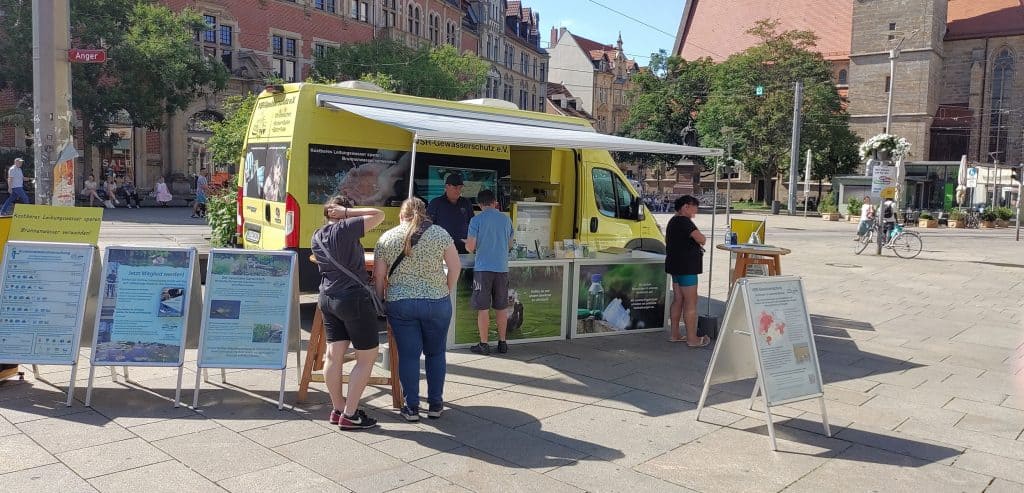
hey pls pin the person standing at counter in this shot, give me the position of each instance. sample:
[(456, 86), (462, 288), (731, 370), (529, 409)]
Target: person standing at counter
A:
[(452, 211), (490, 238), (409, 263), (348, 314), (684, 260)]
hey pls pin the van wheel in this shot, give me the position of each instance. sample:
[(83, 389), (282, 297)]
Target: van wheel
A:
[(647, 245)]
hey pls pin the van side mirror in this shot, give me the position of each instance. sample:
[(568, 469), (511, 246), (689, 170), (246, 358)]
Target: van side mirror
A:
[(636, 209)]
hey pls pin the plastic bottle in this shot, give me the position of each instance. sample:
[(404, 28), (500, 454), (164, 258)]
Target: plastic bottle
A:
[(595, 295), (728, 235)]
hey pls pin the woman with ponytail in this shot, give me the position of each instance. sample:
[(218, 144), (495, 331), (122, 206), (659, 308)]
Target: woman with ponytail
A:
[(409, 272)]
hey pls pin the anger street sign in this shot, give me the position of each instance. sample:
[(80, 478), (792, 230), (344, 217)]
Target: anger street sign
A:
[(87, 56)]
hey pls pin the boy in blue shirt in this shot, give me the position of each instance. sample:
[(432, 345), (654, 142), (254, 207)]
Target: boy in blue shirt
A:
[(490, 237)]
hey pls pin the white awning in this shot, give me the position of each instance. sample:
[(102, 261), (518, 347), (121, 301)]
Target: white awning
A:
[(480, 128)]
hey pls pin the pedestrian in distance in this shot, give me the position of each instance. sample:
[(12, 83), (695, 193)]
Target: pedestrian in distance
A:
[(110, 187), (131, 194), (888, 212), (90, 190), (348, 313), (684, 260), (409, 273), (16, 187), (490, 238), (452, 211), (160, 192), (202, 186), (867, 216)]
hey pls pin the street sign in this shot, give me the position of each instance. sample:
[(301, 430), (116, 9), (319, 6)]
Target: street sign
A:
[(87, 56), (972, 177), (759, 90)]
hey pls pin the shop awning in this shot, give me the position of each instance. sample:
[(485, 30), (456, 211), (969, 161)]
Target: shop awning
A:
[(474, 127)]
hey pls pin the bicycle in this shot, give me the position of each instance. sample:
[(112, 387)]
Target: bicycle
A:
[(972, 219), (905, 244)]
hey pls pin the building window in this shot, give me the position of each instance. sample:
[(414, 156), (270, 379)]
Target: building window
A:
[(210, 34), (892, 31), (451, 34), (391, 10), (319, 49), (434, 29), (543, 71), (510, 55), (414, 19), (888, 83), (842, 77), (325, 5), (1002, 89), (285, 51), (523, 62), (488, 52), (360, 10), (226, 35)]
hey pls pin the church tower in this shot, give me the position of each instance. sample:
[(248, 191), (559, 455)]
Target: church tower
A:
[(916, 28)]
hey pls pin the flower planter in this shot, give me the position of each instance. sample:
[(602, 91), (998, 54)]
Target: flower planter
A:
[(958, 224), (927, 223), (988, 224), (1000, 223), (830, 216), (852, 218)]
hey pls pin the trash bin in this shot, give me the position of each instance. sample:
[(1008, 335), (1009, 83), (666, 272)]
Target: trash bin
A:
[(776, 205)]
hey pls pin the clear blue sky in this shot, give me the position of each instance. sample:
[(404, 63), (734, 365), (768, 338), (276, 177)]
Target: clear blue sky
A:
[(591, 19)]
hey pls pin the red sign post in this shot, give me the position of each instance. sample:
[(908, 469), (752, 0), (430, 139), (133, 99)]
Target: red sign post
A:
[(87, 56)]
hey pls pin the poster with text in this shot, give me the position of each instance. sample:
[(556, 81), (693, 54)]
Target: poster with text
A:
[(373, 177), (143, 307), (783, 339), (43, 290), (617, 298), (535, 304), (247, 309)]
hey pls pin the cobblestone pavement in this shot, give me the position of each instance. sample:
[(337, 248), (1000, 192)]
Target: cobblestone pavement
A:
[(922, 360)]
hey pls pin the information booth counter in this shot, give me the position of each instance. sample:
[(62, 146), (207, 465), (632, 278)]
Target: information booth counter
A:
[(556, 298)]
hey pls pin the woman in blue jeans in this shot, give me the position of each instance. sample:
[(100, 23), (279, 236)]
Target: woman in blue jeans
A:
[(409, 266)]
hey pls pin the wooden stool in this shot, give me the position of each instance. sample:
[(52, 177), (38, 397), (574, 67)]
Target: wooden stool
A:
[(771, 257), (317, 350)]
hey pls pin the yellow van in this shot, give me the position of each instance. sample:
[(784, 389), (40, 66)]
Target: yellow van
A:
[(307, 142)]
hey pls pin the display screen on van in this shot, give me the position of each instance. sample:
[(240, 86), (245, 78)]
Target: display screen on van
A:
[(372, 177), (266, 171)]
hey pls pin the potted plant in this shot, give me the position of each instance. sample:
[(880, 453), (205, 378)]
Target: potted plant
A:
[(926, 220), (828, 208), (988, 219), (957, 219), (885, 147), (853, 209), (1003, 216)]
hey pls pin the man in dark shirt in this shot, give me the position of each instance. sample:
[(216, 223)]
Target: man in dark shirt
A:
[(452, 211)]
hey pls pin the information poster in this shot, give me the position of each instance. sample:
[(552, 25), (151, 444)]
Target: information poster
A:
[(616, 298), (44, 223), (782, 338), (535, 302), (143, 307), (533, 225), (42, 302), (247, 309)]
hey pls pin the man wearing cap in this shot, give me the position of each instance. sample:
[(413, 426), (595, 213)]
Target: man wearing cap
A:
[(452, 211), (16, 185)]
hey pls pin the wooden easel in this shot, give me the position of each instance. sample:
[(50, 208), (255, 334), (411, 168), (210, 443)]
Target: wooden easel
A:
[(11, 373), (317, 350)]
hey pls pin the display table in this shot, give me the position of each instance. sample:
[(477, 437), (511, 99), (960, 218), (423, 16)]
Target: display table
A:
[(747, 255), (538, 295)]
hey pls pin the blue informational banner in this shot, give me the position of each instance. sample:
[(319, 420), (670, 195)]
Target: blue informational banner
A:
[(43, 291), (247, 310), (143, 307)]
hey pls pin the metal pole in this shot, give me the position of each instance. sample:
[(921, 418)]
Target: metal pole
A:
[(893, 55), (995, 185), (51, 89), (794, 151), (711, 257), (1020, 195), (807, 181), (730, 139)]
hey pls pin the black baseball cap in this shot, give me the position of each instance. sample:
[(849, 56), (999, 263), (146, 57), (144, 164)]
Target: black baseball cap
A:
[(454, 180)]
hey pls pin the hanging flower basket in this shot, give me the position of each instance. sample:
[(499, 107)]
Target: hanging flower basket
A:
[(885, 147)]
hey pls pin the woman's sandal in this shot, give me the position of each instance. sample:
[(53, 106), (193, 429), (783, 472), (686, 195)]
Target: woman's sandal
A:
[(704, 341)]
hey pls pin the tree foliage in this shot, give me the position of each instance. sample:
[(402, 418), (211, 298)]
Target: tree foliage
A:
[(763, 124), (228, 137), (153, 67), (666, 99), (439, 72)]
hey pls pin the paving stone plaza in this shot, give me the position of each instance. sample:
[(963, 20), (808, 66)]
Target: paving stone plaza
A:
[(923, 361)]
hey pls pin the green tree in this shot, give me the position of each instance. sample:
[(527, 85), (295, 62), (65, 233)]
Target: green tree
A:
[(153, 68), (430, 72), (764, 123), (228, 137), (666, 99)]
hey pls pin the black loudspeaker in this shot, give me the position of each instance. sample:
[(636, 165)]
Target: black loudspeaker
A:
[(707, 326)]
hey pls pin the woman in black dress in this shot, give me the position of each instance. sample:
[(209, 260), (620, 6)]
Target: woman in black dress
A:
[(684, 259)]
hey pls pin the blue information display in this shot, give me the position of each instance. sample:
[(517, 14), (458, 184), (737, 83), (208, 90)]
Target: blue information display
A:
[(43, 291), (247, 309), (143, 306)]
